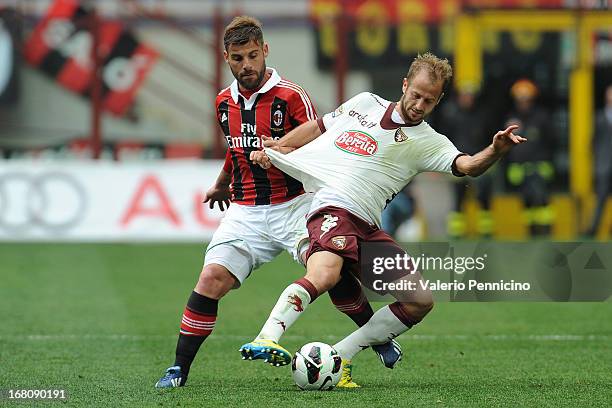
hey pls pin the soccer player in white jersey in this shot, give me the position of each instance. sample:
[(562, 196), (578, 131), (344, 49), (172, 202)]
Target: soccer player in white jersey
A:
[(356, 159)]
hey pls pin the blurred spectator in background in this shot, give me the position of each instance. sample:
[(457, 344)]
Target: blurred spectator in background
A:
[(463, 121), (530, 168), (398, 211), (602, 150)]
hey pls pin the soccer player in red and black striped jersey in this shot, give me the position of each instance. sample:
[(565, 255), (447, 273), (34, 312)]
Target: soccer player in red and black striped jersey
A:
[(268, 208)]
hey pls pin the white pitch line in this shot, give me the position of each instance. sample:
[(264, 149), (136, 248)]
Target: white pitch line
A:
[(245, 338)]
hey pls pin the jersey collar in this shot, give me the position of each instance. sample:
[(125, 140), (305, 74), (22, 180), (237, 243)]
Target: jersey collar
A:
[(270, 83), (387, 121)]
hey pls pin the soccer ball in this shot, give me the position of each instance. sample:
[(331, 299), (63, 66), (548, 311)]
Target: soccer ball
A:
[(316, 366)]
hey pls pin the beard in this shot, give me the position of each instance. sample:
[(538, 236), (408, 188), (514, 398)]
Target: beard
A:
[(251, 82), (407, 113)]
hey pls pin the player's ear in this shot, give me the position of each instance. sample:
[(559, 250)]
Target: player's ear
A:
[(265, 50), (225, 55), (404, 85)]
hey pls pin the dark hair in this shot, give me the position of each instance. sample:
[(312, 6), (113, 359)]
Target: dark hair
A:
[(438, 69), (241, 30)]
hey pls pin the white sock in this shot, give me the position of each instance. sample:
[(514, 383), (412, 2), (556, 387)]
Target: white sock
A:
[(381, 328), (290, 305)]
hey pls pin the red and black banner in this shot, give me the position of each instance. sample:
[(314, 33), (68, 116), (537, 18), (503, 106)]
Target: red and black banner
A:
[(61, 46), (10, 38)]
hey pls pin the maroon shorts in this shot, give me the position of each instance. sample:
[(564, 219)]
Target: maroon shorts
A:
[(343, 233), (340, 231)]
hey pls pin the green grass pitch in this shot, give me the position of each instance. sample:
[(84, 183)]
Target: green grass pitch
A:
[(101, 321)]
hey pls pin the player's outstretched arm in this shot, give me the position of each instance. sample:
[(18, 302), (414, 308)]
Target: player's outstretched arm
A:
[(260, 157), (298, 137), (219, 192), (477, 164)]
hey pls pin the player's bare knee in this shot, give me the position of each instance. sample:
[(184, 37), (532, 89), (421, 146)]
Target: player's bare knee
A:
[(424, 302), (421, 308), (417, 310), (214, 281), (323, 270), (323, 278), (426, 307)]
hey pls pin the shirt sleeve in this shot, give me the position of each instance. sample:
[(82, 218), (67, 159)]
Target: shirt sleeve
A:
[(341, 113), (301, 108), (439, 155)]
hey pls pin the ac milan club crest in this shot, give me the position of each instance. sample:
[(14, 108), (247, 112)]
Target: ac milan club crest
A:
[(339, 242), (277, 117)]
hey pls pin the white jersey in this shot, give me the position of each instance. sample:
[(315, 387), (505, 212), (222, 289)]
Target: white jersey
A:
[(364, 157)]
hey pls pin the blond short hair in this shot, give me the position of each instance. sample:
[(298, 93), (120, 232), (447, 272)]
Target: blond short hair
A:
[(241, 30), (439, 69)]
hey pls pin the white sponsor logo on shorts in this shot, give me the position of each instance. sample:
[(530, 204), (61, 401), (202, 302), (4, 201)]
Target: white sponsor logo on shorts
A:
[(329, 222)]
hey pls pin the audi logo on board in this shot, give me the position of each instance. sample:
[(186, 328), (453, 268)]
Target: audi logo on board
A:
[(52, 202)]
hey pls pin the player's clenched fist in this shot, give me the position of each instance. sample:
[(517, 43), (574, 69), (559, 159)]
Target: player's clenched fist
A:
[(260, 157)]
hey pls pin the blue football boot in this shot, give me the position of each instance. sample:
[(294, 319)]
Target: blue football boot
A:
[(390, 353), (173, 378)]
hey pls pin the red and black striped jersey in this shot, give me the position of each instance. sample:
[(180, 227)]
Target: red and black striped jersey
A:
[(274, 110)]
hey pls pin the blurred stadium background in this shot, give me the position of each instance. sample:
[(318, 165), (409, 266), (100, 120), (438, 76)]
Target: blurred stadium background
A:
[(143, 108), (105, 148)]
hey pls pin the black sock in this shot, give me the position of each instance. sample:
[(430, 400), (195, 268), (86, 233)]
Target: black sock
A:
[(197, 323)]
